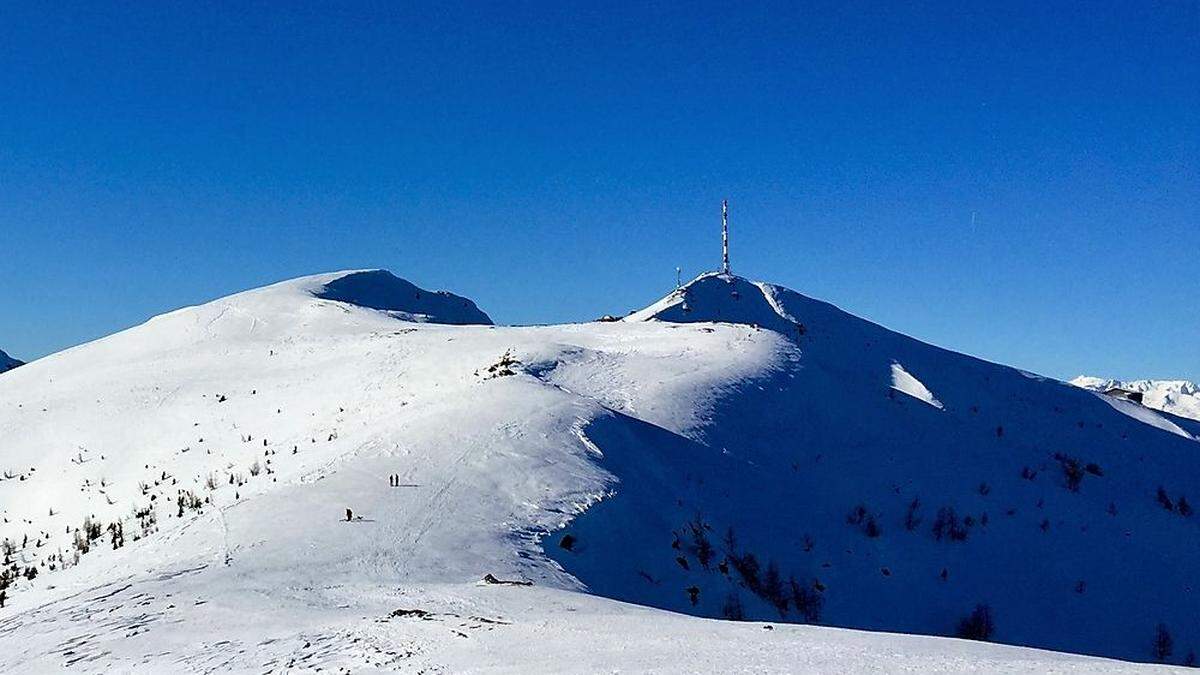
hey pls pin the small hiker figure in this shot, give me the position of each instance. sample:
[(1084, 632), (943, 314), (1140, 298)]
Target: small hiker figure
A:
[(349, 515)]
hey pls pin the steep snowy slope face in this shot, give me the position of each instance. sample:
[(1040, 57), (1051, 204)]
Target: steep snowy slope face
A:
[(7, 362), (878, 482), (380, 289), (1178, 397)]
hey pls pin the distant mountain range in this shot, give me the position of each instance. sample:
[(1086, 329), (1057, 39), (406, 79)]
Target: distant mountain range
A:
[(1178, 397)]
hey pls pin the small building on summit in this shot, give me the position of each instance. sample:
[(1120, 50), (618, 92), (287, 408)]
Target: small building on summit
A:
[(1118, 392)]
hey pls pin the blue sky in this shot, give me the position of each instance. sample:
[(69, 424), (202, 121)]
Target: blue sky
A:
[(1019, 181)]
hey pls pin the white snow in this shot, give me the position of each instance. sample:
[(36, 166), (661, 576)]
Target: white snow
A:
[(209, 620), (1177, 397), (728, 403), (1144, 415), (904, 382)]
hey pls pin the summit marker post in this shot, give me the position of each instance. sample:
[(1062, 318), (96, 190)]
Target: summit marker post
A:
[(724, 236)]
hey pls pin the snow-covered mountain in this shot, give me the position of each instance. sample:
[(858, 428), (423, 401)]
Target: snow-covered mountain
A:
[(7, 362), (318, 474), (1178, 397)]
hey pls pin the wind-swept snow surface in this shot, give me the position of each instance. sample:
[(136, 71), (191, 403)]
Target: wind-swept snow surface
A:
[(904, 382), (290, 478)]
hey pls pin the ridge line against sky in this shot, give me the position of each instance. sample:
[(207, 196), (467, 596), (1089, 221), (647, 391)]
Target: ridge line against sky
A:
[(1019, 183)]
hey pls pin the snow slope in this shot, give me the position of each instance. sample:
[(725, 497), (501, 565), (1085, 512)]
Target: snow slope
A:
[(7, 362), (823, 453), (229, 439), (1178, 397), (380, 289)]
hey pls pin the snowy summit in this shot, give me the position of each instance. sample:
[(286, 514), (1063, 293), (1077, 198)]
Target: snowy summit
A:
[(348, 471)]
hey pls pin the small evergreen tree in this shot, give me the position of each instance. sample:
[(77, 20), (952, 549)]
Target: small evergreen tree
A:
[(701, 546), (1163, 643), (977, 625), (947, 525), (806, 600), (911, 519), (772, 589), (1165, 500), (872, 528), (747, 566), (732, 609)]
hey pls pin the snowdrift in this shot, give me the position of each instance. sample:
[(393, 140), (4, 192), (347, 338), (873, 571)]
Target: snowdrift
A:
[(340, 459)]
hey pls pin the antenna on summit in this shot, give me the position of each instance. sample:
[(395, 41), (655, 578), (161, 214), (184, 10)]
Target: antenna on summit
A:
[(724, 236)]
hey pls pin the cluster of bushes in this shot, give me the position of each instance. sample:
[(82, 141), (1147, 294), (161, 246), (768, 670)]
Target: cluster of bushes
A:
[(804, 599), (977, 625), (1075, 470), (947, 525), (700, 546), (767, 583), (860, 517), (84, 538), (87, 533), (1180, 506), (507, 366), (187, 500), (147, 519), (1163, 646), (11, 570)]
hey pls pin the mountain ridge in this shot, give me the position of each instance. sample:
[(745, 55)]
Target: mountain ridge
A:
[(276, 439), (8, 363)]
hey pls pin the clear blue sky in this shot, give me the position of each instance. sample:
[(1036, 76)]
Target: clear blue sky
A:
[(556, 162)]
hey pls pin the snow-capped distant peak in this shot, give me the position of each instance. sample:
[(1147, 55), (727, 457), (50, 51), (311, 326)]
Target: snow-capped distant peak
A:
[(1178, 397), (1094, 383), (7, 362)]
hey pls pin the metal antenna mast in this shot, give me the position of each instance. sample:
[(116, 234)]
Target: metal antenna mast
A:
[(724, 236)]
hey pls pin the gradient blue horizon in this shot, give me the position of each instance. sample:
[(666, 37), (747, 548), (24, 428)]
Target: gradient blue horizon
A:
[(1016, 181)]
